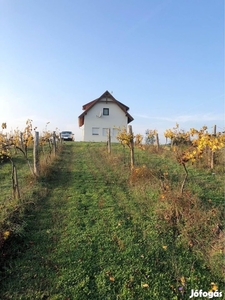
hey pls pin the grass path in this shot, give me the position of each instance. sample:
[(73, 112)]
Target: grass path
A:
[(91, 238)]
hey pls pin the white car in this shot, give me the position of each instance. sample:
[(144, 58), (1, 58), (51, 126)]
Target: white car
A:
[(66, 136)]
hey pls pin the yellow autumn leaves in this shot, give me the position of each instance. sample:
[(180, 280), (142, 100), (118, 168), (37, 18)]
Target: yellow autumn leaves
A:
[(16, 138), (124, 137), (214, 287), (22, 139), (6, 234), (4, 126), (199, 141)]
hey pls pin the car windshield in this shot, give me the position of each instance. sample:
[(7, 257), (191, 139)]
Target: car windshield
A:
[(66, 132)]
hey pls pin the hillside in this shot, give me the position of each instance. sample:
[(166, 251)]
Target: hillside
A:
[(102, 232)]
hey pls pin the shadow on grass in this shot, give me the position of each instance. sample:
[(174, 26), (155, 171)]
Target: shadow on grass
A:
[(36, 213)]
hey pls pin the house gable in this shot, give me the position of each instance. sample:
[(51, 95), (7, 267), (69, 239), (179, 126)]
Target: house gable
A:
[(105, 97)]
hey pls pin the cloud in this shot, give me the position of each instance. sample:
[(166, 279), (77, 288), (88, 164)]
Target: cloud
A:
[(142, 116), (207, 117)]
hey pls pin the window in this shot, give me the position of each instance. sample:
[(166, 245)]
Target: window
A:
[(115, 131), (105, 111), (105, 131), (95, 130)]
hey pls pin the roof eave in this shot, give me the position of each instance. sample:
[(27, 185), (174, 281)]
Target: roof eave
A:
[(129, 118)]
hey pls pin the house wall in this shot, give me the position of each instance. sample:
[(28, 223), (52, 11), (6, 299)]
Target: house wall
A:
[(94, 123)]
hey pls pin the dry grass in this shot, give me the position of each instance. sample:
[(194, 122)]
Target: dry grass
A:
[(47, 159)]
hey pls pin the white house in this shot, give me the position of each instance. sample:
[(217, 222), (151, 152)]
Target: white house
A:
[(103, 113)]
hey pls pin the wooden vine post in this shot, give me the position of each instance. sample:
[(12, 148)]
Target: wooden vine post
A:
[(213, 153), (131, 146), (21, 141), (54, 143), (15, 185), (109, 140), (36, 153), (157, 141)]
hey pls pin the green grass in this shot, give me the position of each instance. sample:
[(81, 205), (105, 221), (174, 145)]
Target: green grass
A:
[(94, 236), (205, 183), (12, 209)]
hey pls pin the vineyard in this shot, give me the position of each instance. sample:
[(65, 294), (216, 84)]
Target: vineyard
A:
[(131, 220), (23, 158)]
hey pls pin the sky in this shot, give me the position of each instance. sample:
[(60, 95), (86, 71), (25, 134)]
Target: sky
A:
[(162, 58)]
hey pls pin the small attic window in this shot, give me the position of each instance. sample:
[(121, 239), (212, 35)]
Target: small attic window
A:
[(105, 111)]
